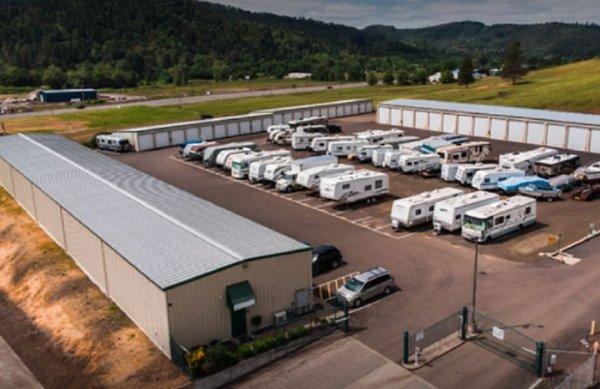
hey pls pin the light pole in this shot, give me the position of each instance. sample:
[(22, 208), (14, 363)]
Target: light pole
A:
[(474, 299)]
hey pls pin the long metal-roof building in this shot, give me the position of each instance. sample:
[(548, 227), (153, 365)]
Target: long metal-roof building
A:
[(180, 267)]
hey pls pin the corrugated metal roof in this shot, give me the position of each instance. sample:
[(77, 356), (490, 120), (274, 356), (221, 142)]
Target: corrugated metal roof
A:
[(498, 110), (169, 235)]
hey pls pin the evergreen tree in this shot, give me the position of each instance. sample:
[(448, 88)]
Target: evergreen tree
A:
[(402, 77), (371, 78), (54, 77), (446, 77), (513, 64), (465, 72), (388, 77)]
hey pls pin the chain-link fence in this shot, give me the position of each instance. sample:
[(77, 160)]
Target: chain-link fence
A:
[(582, 377)]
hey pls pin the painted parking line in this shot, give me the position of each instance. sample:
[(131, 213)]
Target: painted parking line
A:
[(362, 219), (383, 227), (306, 200)]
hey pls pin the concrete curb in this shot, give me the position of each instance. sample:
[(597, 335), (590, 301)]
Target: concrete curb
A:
[(435, 351)]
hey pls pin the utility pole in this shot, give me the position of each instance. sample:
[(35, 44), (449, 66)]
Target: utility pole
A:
[(474, 299)]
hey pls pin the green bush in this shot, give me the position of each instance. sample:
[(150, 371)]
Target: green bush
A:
[(297, 333), (246, 350), (261, 346), (220, 356)]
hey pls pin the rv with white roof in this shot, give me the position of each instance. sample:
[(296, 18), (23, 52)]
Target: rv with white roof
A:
[(401, 141), (344, 148), (499, 218), (308, 121), (391, 158), (556, 165), (379, 136), (448, 214), (287, 181), (302, 140), (211, 153), (477, 151), (466, 172), (240, 164), (418, 209), (524, 160), (257, 168), (354, 186), (310, 178), (419, 163), (448, 172), (224, 156), (364, 153), (489, 179), (274, 171), (589, 173), (320, 144)]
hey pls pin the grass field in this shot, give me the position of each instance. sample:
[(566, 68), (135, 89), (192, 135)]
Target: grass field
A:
[(573, 87)]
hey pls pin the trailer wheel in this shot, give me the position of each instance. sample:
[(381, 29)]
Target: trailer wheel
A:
[(357, 303), (288, 189), (387, 290)]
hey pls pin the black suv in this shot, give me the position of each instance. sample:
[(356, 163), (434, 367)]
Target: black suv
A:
[(325, 257)]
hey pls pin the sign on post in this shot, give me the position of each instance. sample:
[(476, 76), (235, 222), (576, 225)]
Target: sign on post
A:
[(419, 335), (498, 333)]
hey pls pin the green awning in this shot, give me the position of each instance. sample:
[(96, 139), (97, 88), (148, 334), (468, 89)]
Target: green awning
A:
[(240, 296)]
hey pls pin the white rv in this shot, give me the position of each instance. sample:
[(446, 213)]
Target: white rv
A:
[(448, 172), (302, 140), (448, 214), (258, 168), (589, 173), (379, 136), (499, 218), (344, 148), (224, 156), (465, 172), (524, 160), (354, 186), (489, 179), (287, 181), (399, 142), (364, 153), (210, 154), (391, 158), (240, 164), (418, 209), (557, 164), (477, 151), (310, 178), (274, 171), (320, 144), (419, 163), (307, 121)]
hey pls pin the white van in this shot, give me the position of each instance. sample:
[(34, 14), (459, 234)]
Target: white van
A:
[(489, 179), (466, 171), (418, 209), (524, 160), (257, 168), (477, 151), (310, 178), (344, 148), (240, 164), (448, 214), (419, 162), (320, 144), (500, 218), (302, 140), (354, 186)]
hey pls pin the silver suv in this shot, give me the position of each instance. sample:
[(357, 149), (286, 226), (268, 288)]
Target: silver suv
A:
[(365, 286)]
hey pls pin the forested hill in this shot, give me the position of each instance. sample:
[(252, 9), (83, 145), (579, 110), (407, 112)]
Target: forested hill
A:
[(124, 42)]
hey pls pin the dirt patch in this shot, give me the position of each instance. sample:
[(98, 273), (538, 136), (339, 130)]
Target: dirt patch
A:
[(534, 244), (63, 328)]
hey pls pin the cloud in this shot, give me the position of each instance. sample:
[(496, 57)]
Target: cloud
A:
[(420, 13)]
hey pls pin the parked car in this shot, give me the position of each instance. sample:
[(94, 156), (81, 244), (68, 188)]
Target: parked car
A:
[(325, 257), (366, 285), (541, 191)]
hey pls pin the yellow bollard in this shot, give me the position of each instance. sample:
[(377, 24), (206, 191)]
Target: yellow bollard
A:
[(593, 328)]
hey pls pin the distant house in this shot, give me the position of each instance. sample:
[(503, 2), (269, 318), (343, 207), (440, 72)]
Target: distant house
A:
[(66, 95), (495, 72), (436, 77), (298, 76)]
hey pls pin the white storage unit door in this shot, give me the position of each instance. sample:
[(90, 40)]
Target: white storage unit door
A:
[(256, 125), (145, 142), (577, 138), (233, 129), (498, 128), (535, 134), (177, 137), (481, 127), (244, 127), (287, 117), (395, 119), (449, 123), (207, 132), (421, 121), (266, 123), (49, 216), (307, 113), (191, 134), (407, 118), (556, 135), (464, 125), (595, 141), (5, 178), (339, 110), (332, 112), (315, 112), (278, 118), (347, 109), (324, 112), (435, 122), (23, 192), (220, 131), (516, 131), (162, 139)]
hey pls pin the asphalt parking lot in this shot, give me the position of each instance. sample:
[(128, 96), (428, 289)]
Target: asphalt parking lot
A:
[(433, 273)]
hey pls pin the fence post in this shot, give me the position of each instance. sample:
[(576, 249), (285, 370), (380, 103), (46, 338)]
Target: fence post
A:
[(539, 360), (463, 324), (405, 350), (346, 317)]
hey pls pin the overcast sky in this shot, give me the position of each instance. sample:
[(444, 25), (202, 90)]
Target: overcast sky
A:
[(420, 13)]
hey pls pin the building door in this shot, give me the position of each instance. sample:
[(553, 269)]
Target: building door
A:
[(238, 323)]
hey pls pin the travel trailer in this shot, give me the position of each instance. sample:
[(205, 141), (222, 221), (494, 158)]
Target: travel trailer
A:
[(274, 171), (466, 152), (354, 186), (524, 160), (302, 140), (418, 209), (431, 145), (308, 121), (448, 172), (310, 178), (556, 165), (465, 172), (320, 128), (449, 214), (344, 148), (195, 151), (364, 153), (287, 181), (590, 173), (489, 179), (419, 163), (113, 143), (500, 218), (379, 136), (391, 158), (320, 144), (240, 164), (211, 153), (227, 154), (257, 168)]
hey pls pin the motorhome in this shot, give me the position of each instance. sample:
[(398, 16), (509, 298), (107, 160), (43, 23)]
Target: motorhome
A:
[(211, 153), (195, 151), (308, 121), (391, 158), (449, 214), (524, 160), (240, 164), (499, 218), (431, 145), (287, 181), (310, 178), (556, 165), (379, 136), (354, 186), (229, 155), (274, 171), (418, 209), (364, 153), (400, 142), (448, 172), (466, 152), (409, 163), (302, 140), (465, 172), (113, 143), (320, 144), (320, 128), (589, 173), (344, 148), (489, 179), (283, 137), (257, 168)]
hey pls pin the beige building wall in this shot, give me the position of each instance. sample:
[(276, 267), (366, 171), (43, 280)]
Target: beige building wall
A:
[(198, 311), (5, 178), (139, 298), (23, 192), (49, 216)]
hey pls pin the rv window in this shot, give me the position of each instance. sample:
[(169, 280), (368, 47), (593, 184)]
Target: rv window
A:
[(507, 217), (527, 210), (463, 154), (469, 174), (418, 212), (499, 220), (345, 186), (487, 180), (431, 208), (457, 217), (409, 164), (378, 184), (502, 179), (455, 156), (368, 187)]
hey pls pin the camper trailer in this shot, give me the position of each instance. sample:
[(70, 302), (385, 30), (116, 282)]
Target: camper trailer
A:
[(223, 160), (287, 181), (211, 153), (400, 142), (308, 121), (113, 143), (448, 214), (302, 140), (589, 173), (391, 158), (466, 152), (320, 144), (195, 151), (379, 136), (500, 218), (354, 186), (448, 172), (525, 160), (556, 165), (431, 145), (257, 168), (274, 171), (344, 148), (418, 209), (419, 163), (240, 164), (466, 172), (364, 153), (489, 179), (310, 178)]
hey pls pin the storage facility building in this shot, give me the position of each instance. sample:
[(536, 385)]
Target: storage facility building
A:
[(66, 95), (180, 267), (569, 130)]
